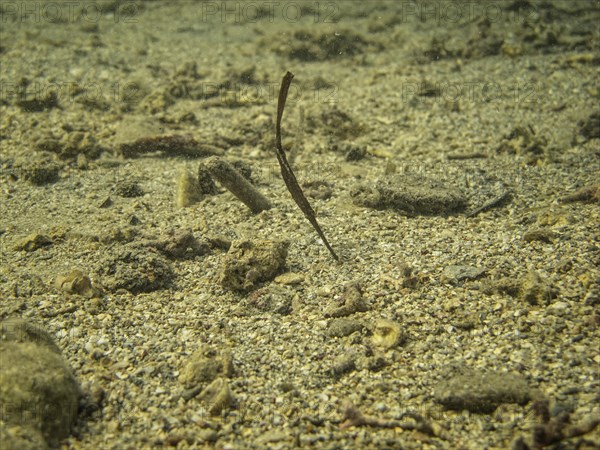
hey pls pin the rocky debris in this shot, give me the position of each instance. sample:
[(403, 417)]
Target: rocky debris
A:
[(128, 189), (590, 127), (39, 394), (248, 263), (180, 243), (351, 301), (39, 169), (33, 242), (342, 327), (136, 268), (536, 290)]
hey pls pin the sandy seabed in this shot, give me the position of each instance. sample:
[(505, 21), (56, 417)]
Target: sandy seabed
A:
[(491, 103)]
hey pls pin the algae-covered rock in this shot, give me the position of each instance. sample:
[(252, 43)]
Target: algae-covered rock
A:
[(33, 242), (536, 290), (136, 268), (38, 393), (410, 196), (39, 169), (250, 262), (483, 391), (306, 45), (217, 396), (205, 365), (351, 301)]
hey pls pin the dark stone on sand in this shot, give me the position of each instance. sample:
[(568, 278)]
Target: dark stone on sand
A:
[(482, 391), (411, 197)]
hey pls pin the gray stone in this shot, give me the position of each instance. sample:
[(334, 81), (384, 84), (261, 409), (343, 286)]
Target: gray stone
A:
[(342, 365), (343, 327), (455, 274)]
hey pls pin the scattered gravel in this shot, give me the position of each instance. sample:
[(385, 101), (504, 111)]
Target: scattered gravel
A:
[(467, 290)]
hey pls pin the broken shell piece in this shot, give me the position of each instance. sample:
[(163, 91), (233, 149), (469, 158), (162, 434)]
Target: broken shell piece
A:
[(387, 334), (217, 396), (289, 278), (188, 189), (75, 282)]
